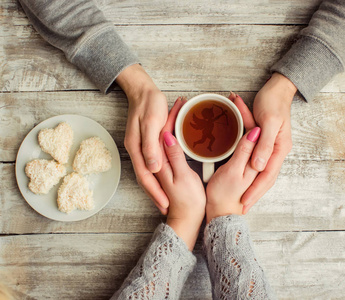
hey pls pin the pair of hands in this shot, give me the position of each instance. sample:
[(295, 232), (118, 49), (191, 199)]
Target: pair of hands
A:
[(148, 113), (188, 200)]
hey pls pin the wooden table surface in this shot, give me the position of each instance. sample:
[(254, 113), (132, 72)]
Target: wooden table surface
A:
[(188, 47)]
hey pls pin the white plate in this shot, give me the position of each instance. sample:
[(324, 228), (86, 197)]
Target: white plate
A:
[(103, 185)]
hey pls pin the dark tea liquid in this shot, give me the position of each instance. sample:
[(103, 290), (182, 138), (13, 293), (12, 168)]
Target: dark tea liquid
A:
[(210, 128)]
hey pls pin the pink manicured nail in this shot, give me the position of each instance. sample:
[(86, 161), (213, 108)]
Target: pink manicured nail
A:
[(254, 134), (239, 97), (232, 96), (169, 139)]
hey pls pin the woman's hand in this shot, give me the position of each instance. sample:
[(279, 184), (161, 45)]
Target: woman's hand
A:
[(272, 113), (147, 115), (182, 185), (231, 180)]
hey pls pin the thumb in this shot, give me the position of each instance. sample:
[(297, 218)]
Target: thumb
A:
[(175, 154), (150, 147), (265, 146)]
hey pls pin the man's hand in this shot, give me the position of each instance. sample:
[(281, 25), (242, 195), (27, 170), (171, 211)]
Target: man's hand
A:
[(147, 115), (272, 113)]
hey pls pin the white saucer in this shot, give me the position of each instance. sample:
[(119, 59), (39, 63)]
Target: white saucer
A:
[(103, 185)]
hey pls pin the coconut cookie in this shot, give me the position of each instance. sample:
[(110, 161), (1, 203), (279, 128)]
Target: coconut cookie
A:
[(57, 142), (92, 157), (43, 175), (74, 193)]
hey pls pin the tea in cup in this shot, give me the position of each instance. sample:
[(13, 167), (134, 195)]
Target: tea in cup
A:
[(208, 128)]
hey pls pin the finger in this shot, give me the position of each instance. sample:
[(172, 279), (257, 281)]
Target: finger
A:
[(265, 146), (170, 124), (232, 96), (175, 154), (247, 116), (263, 182), (144, 176), (244, 150), (149, 183)]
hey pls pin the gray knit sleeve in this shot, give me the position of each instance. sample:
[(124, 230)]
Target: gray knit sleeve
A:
[(161, 271), (319, 53), (234, 270), (82, 32)]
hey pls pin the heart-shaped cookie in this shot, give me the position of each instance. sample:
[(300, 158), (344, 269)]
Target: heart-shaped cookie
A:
[(43, 174), (57, 142), (74, 193), (92, 157)]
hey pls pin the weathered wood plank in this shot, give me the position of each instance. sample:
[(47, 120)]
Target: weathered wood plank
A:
[(299, 265), (308, 195), (178, 57), (190, 12), (316, 126)]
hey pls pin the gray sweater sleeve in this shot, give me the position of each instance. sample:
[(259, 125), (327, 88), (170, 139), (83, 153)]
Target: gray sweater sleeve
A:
[(234, 270), (161, 271), (81, 31), (319, 53)]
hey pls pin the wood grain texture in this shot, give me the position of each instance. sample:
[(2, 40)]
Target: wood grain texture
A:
[(316, 126), (188, 47), (299, 265), (308, 195), (178, 57)]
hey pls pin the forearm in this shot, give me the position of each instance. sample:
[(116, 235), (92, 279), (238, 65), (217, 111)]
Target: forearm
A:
[(234, 269), (319, 54), (161, 271), (82, 32)]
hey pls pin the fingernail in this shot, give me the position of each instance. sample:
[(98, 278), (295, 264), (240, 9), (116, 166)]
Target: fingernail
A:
[(232, 96), (253, 136), (169, 139), (259, 164), (184, 99), (239, 97), (152, 165), (178, 99)]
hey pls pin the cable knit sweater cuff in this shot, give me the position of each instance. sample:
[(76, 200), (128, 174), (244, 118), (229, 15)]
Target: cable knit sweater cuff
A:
[(167, 233), (234, 270), (309, 64), (103, 57), (161, 271)]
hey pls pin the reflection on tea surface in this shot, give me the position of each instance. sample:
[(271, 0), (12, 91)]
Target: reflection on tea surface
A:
[(210, 128)]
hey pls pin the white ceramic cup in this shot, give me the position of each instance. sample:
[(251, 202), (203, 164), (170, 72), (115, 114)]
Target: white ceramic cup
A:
[(207, 162)]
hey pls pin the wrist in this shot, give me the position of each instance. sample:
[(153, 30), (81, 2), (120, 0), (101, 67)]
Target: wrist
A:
[(135, 82), (214, 211), (187, 230), (284, 84)]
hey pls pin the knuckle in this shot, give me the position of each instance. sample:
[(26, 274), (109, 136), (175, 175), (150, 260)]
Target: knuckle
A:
[(246, 149), (271, 179), (142, 179), (150, 121), (129, 142), (126, 143), (174, 154), (272, 118), (289, 145), (148, 150), (266, 148)]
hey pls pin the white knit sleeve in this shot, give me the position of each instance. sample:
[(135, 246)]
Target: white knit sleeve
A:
[(234, 270), (161, 271)]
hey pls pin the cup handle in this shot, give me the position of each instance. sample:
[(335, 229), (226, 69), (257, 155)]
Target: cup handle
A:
[(207, 171)]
